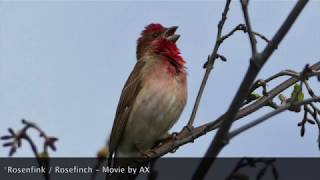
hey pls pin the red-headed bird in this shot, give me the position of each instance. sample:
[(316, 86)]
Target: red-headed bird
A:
[(154, 95)]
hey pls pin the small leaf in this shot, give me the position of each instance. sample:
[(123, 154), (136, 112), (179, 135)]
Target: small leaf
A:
[(301, 96), (8, 144), (272, 104), (11, 131), (12, 151), (50, 142), (5, 137), (52, 146), (224, 59), (300, 124), (255, 95), (311, 121), (23, 121), (297, 94), (19, 142), (53, 139), (282, 98), (206, 63), (302, 131)]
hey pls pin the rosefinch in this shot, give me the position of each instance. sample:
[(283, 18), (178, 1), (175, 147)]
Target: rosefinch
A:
[(153, 96)]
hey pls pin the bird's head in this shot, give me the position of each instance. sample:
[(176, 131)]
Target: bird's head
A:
[(155, 31), (167, 50)]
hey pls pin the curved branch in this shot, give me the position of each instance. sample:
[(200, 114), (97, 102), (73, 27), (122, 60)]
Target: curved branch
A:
[(209, 65), (271, 114), (188, 136), (256, 63)]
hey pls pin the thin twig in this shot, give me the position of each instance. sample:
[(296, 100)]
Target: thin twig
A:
[(262, 83), (261, 36), (209, 65), (269, 115), (256, 63), (187, 136), (16, 139), (242, 27), (310, 91), (253, 41), (214, 55)]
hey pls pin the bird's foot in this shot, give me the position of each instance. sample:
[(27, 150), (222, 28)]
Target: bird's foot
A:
[(167, 137)]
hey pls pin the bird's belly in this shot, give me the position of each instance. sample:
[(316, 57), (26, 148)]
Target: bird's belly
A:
[(156, 110)]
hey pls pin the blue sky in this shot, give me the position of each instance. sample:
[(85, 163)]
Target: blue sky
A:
[(63, 65)]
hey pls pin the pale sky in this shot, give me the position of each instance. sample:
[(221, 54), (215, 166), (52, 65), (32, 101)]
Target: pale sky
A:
[(63, 65)]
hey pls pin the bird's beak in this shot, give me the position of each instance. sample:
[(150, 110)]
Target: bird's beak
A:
[(173, 38), (169, 34), (171, 30)]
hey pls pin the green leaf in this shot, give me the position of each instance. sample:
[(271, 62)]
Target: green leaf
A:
[(256, 95), (282, 98), (272, 104), (297, 94), (253, 96)]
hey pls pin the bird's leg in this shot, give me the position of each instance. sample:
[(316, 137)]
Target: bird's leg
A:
[(166, 137)]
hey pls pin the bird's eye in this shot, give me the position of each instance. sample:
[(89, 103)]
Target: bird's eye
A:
[(155, 35)]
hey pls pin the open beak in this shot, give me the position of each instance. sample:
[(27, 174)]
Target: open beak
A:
[(170, 35)]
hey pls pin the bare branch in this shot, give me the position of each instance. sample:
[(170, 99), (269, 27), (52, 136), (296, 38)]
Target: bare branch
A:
[(214, 55), (253, 41), (187, 136), (271, 114), (42, 158), (240, 27), (261, 36), (209, 65), (256, 63)]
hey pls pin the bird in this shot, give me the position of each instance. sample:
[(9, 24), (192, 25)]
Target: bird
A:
[(153, 96), (150, 33)]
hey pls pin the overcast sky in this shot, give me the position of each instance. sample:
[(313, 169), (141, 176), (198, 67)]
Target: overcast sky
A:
[(63, 65)]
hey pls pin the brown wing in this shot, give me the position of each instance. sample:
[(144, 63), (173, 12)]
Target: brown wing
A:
[(127, 98)]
